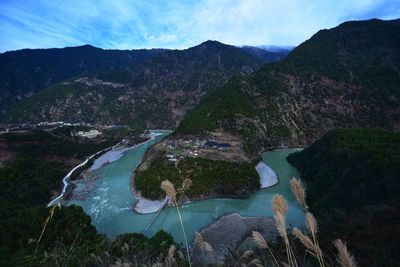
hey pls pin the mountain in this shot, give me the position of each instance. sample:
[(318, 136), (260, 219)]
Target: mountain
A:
[(24, 72), (352, 178), (347, 76), (276, 48), (266, 55), (153, 94)]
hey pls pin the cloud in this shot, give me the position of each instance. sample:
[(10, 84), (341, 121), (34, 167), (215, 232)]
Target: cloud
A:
[(285, 22), (129, 24)]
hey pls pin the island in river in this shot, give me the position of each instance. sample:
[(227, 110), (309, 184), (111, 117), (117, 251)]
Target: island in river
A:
[(200, 167)]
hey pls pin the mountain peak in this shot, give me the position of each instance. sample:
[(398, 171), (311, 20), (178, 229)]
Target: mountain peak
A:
[(211, 43)]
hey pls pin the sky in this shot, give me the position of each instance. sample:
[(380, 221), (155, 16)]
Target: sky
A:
[(133, 24)]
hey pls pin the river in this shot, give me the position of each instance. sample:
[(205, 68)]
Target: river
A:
[(109, 200)]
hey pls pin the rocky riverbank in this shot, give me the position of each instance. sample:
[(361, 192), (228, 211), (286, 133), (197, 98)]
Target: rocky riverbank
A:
[(93, 162), (229, 232)]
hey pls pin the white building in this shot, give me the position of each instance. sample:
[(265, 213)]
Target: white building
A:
[(90, 134)]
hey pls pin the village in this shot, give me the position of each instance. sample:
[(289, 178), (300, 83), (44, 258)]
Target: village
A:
[(179, 149), (216, 146)]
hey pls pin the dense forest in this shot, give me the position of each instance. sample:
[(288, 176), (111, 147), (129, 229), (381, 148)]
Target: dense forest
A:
[(198, 177), (353, 183)]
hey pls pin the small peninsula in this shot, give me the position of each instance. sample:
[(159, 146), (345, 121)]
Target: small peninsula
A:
[(200, 167)]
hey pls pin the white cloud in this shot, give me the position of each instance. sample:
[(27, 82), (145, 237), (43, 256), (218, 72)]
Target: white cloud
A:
[(176, 24)]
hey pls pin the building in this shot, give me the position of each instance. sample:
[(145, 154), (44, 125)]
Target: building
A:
[(90, 134)]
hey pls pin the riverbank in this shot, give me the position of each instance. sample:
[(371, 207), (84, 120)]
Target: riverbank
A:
[(67, 177), (267, 178), (110, 203), (94, 161)]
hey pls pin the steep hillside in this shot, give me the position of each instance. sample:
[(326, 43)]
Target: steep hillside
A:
[(353, 178), (347, 76), (154, 94), (24, 72)]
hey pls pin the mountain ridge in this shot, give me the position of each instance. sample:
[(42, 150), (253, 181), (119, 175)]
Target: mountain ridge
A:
[(155, 93), (347, 76)]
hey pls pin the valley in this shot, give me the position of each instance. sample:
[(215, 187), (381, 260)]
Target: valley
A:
[(88, 137)]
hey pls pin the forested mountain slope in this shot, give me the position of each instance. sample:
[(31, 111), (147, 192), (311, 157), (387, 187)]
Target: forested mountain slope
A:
[(153, 94), (352, 178), (347, 76), (24, 72)]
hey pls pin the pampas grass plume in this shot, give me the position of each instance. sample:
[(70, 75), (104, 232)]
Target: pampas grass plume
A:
[(168, 188), (298, 192), (344, 258), (306, 241)]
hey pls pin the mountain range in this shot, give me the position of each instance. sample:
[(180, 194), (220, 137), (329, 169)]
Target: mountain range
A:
[(347, 76), (141, 88)]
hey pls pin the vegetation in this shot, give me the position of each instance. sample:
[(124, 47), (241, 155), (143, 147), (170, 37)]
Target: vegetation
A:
[(301, 248), (222, 104), (154, 92), (57, 143), (358, 172), (169, 189), (356, 169), (27, 71), (195, 177), (343, 77), (68, 239)]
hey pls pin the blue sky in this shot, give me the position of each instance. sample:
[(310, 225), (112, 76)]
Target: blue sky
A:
[(131, 24)]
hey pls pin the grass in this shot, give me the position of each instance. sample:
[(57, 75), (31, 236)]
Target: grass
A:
[(169, 189), (280, 208)]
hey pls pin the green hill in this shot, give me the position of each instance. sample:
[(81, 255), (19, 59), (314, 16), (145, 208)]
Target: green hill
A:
[(353, 180)]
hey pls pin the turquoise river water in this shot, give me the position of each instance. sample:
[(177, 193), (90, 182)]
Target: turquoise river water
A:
[(111, 201)]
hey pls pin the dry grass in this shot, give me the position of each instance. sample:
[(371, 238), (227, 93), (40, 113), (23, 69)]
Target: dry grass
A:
[(204, 246), (260, 242), (280, 223), (311, 223), (256, 262), (171, 255), (169, 189), (306, 241), (280, 207), (279, 204), (312, 227), (257, 238), (247, 254), (298, 192), (48, 219), (344, 258)]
